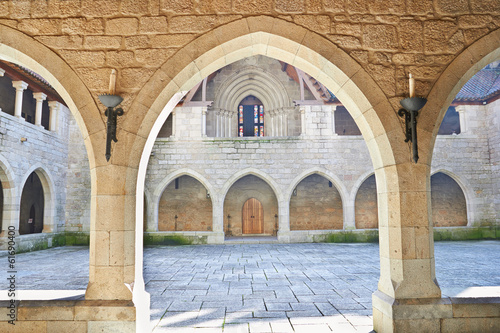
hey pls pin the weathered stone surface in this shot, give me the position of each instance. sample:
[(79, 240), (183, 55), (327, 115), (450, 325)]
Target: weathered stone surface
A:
[(192, 23), (177, 6), (74, 26), (122, 26), (211, 6), (252, 6), (40, 26), (419, 7), (172, 40), (441, 37), (62, 42), (153, 25), (289, 5), (380, 37), (484, 6), (85, 58), (120, 58), (153, 57), (411, 35), (348, 29), (102, 42), (100, 8), (318, 23), (452, 6)]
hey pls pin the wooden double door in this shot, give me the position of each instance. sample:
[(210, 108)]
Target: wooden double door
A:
[(253, 217)]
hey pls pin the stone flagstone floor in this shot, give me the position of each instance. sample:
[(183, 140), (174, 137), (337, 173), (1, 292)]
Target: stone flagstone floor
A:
[(263, 287)]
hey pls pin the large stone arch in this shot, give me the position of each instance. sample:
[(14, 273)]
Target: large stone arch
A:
[(282, 40), (462, 69), (49, 195), (18, 48)]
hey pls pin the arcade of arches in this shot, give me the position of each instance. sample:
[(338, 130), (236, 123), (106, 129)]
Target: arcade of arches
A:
[(318, 147)]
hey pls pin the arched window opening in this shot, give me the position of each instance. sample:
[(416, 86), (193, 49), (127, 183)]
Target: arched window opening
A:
[(366, 209), (32, 206), (448, 202), (316, 205), (451, 122), (251, 117), (185, 206)]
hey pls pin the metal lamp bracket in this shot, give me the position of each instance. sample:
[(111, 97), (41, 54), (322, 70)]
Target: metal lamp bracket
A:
[(112, 112), (409, 112)]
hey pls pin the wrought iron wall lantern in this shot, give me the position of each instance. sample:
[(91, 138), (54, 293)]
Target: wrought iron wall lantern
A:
[(411, 106), (111, 101)]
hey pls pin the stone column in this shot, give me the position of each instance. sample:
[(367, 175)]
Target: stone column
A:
[(334, 108), (204, 121), (217, 221), (174, 123), (54, 108), (112, 231), (284, 222), (349, 209), (407, 270), (302, 120), (271, 120), (285, 122), (39, 97), (18, 108), (229, 124), (463, 123)]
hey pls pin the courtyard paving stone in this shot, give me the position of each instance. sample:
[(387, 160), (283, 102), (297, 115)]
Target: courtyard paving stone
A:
[(262, 287)]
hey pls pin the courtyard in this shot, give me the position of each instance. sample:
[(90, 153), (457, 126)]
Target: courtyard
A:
[(314, 287)]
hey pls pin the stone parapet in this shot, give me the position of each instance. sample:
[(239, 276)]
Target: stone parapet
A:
[(445, 315), (77, 316)]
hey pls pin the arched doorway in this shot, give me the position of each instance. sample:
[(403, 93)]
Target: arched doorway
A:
[(32, 206), (252, 217), (251, 117), (239, 208)]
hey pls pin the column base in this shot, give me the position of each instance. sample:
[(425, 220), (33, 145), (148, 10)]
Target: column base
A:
[(283, 236), (215, 238), (409, 315)]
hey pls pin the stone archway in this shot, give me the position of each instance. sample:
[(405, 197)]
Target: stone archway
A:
[(316, 204), (277, 39)]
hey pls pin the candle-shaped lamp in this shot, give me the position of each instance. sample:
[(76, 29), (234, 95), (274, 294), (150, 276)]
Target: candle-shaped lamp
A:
[(412, 86), (112, 82)]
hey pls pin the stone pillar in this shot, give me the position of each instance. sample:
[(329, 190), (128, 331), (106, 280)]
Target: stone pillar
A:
[(217, 221), (112, 233), (284, 222), (302, 120), (271, 116), (18, 108), (217, 133), (463, 123), (54, 108), (204, 121), (407, 271), (285, 122), (334, 108), (174, 123), (349, 209), (229, 124), (39, 97)]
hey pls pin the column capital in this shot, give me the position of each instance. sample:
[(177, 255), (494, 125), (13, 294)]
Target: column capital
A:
[(19, 85), (53, 104), (39, 96)]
